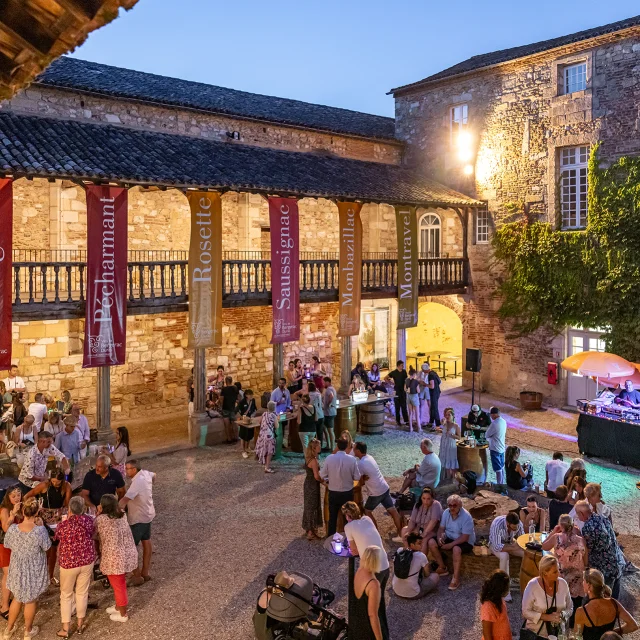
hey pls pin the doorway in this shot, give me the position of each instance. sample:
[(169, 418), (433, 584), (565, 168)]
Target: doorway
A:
[(579, 340)]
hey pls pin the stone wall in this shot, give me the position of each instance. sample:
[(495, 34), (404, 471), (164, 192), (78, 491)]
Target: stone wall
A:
[(68, 104), (153, 380), (518, 123)]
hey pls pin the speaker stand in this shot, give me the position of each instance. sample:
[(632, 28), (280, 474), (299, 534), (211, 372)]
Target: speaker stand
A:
[(473, 389)]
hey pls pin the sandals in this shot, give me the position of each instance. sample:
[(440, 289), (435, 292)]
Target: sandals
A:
[(80, 630), (269, 471), (5, 614), (453, 585), (63, 634)]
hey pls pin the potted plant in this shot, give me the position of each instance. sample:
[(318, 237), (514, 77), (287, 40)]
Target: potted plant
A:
[(531, 400)]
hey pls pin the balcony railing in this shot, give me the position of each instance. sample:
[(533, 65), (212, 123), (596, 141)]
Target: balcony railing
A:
[(56, 289)]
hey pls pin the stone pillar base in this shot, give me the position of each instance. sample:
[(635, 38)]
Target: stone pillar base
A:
[(205, 431)]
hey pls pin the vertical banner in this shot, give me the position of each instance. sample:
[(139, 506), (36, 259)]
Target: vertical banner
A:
[(105, 327), (285, 269), (350, 268), (407, 229), (6, 249), (205, 270)]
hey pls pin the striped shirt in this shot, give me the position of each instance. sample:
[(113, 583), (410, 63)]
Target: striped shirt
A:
[(500, 534)]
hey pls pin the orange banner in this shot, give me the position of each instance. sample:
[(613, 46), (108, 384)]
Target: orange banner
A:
[(407, 228), (350, 268), (205, 270)]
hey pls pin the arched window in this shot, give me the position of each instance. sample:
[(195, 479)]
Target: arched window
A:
[(429, 229)]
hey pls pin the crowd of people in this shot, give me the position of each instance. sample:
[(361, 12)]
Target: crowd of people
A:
[(94, 534)]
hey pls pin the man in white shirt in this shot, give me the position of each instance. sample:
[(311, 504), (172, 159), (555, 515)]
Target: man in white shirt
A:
[(140, 513), (362, 533), (502, 540), (427, 473), (496, 437), (339, 471), (555, 470), (14, 382), (37, 409), (82, 425), (415, 586), (377, 488)]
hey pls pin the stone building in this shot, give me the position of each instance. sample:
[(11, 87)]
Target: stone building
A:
[(528, 117), (82, 121)]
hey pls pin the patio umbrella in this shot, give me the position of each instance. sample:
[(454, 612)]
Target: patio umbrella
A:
[(614, 381), (598, 364)]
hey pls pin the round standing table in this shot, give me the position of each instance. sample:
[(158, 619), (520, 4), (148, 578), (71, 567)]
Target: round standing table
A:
[(473, 459), (531, 560)]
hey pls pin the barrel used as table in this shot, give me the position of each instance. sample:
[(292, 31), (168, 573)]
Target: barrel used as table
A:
[(346, 420), (357, 498), (529, 569), (473, 459), (372, 418)]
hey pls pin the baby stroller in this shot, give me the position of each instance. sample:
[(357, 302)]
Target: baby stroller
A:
[(292, 607)]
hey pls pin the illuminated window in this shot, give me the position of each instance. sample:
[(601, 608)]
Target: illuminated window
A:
[(459, 119), (575, 77), (573, 187), (429, 230), (482, 226)]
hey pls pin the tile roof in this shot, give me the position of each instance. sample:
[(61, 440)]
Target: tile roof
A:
[(71, 73), (505, 55), (35, 146)]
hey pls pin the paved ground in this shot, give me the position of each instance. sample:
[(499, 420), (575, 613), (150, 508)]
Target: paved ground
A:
[(223, 525)]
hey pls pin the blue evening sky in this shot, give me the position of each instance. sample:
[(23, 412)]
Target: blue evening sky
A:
[(344, 53)]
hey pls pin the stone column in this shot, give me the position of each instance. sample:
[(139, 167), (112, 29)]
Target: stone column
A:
[(278, 363), (345, 364), (401, 347), (105, 434), (199, 380)]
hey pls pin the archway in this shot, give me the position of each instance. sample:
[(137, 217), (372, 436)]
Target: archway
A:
[(439, 332)]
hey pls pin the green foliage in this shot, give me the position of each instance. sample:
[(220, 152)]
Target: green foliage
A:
[(591, 278)]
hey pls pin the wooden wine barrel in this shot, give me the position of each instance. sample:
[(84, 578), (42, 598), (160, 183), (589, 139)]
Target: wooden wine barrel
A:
[(473, 459), (346, 420), (529, 568), (372, 418), (357, 498)]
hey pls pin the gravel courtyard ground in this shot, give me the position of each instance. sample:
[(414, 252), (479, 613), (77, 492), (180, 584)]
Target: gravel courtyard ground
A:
[(223, 525)]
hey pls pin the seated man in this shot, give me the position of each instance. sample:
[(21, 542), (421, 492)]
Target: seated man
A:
[(100, 481), (427, 473), (629, 397), (478, 418), (456, 533), (38, 409), (34, 467), (281, 396), (559, 505), (419, 580), (502, 540)]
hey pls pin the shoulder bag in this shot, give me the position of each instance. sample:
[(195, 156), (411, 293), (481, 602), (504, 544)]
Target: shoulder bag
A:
[(527, 634)]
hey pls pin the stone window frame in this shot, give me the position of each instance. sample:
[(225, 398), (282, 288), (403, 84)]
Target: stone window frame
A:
[(459, 127), (557, 74), (577, 166), (484, 211)]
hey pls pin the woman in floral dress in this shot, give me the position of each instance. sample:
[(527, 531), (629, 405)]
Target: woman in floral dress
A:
[(118, 554), (28, 575), (448, 444), (266, 444), (571, 553)]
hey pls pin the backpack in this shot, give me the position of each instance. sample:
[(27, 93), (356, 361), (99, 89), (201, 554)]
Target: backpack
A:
[(405, 502), (402, 565), (471, 481)]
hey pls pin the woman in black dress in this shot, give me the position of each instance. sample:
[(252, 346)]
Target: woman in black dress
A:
[(312, 513), (365, 623)]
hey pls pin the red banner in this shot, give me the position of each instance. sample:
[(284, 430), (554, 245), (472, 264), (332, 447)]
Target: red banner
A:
[(6, 232), (285, 269), (105, 327)]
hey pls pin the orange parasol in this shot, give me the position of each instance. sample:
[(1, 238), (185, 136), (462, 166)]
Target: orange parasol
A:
[(598, 364), (614, 381)]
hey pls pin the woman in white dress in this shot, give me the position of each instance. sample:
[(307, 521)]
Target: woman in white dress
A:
[(448, 444)]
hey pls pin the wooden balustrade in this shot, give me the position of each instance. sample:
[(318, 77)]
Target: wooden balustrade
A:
[(43, 290)]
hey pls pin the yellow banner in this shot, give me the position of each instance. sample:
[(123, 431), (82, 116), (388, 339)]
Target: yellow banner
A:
[(205, 270), (407, 228), (350, 268)]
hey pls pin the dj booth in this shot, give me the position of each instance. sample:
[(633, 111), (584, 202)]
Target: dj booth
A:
[(612, 436)]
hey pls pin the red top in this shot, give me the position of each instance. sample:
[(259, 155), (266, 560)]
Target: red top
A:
[(77, 547)]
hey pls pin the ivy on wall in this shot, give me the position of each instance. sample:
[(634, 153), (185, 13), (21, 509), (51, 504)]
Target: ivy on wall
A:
[(555, 279)]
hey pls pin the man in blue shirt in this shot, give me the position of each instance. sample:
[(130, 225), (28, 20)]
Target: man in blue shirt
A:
[(629, 397), (70, 441), (281, 396), (456, 533)]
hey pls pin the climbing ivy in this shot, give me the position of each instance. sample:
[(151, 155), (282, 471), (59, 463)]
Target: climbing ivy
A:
[(555, 279)]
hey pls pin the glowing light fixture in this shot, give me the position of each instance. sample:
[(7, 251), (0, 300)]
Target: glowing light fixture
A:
[(468, 169)]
